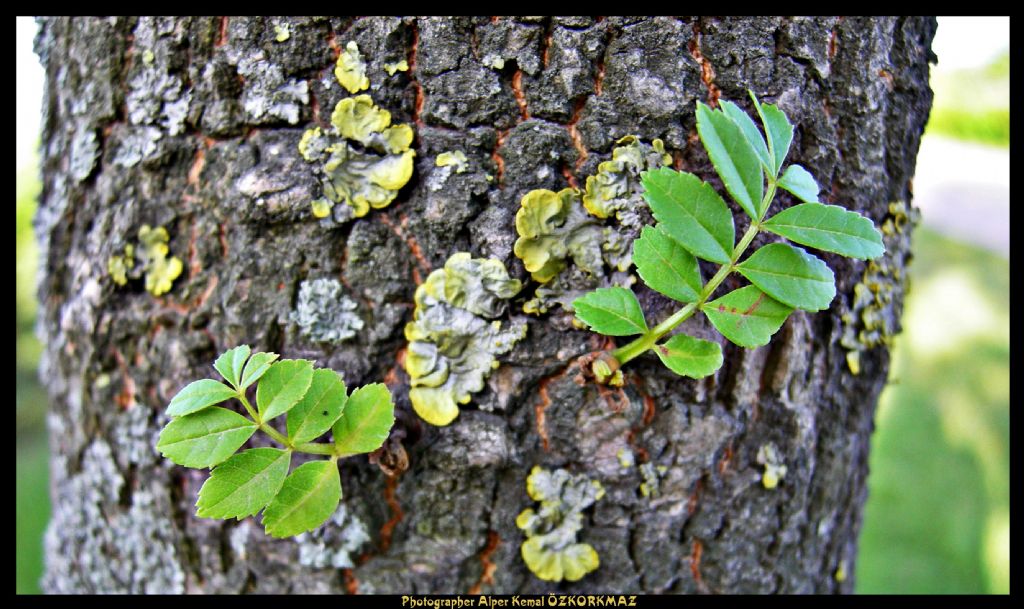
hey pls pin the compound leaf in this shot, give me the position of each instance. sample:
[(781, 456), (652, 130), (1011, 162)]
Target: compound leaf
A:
[(244, 484), (800, 182), (791, 276), (366, 422), (691, 212), (230, 363), (283, 386), (255, 368), (666, 266), (733, 157), (613, 311), (829, 228), (204, 438), (689, 356), (317, 411), (748, 317), (198, 395), (306, 500)]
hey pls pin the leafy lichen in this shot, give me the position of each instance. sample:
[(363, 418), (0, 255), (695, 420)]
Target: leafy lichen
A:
[(366, 160), (151, 260), (452, 345), (324, 313), (551, 550), (564, 240)]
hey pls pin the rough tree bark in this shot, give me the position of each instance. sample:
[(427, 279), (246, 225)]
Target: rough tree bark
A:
[(193, 124)]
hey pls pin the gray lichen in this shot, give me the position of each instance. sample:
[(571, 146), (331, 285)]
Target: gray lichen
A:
[(335, 543), (95, 544), (324, 313)]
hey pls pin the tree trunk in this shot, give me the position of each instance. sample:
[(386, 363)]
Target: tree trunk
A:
[(193, 124)]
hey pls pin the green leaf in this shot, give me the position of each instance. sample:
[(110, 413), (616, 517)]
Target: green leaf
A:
[(613, 311), (690, 356), (747, 316), (778, 130), (244, 484), (230, 363), (691, 212), (317, 411), (800, 182), (282, 387), (307, 499), (204, 438), (829, 228), (733, 157), (750, 131), (666, 266), (255, 368), (199, 395), (791, 276), (366, 422)]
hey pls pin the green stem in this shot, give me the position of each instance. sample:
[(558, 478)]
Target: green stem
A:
[(316, 448), (248, 407), (647, 340), (276, 435), (313, 448)]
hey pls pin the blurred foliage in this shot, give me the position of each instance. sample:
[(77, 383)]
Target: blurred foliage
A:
[(33, 500), (937, 518), (973, 104)]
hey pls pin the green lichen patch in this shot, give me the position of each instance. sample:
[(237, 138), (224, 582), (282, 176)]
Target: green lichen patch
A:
[(452, 343), (551, 550), (774, 467), (351, 69), (872, 318), (148, 260), (364, 158), (565, 241), (324, 313)]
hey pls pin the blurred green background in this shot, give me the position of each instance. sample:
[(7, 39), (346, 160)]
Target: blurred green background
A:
[(937, 518)]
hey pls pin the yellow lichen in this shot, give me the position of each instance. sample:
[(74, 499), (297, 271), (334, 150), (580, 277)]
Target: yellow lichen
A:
[(282, 32), (351, 69), (398, 66), (455, 158), (366, 175), (551, 550), (774, 469), (159, 270), (321, 208), (611, 189)]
